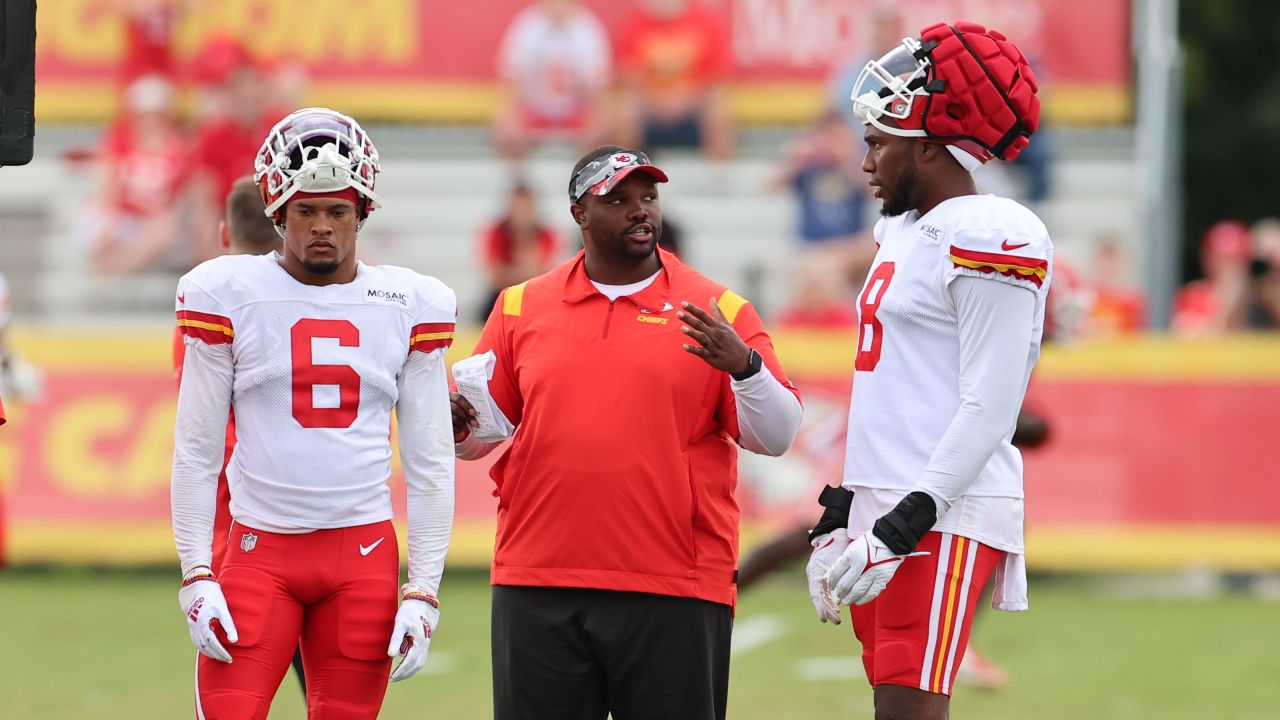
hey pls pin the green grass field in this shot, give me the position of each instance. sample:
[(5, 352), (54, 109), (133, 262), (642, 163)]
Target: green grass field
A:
[(112, 645)]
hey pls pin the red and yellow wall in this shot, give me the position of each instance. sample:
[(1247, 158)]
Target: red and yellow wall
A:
[(1162, 455)]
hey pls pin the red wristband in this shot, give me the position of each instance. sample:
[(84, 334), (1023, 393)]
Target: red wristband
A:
[(427, 598)]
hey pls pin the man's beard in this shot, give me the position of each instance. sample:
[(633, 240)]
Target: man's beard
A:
[(900, 198), (631, 251), (321, 267)]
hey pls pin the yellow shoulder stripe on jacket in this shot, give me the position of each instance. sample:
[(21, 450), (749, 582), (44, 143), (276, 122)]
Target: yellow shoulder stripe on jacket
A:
[(730, 303), (513, 299)]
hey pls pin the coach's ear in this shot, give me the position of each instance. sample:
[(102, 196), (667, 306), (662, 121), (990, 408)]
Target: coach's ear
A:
[(579, 213), (224, 235)]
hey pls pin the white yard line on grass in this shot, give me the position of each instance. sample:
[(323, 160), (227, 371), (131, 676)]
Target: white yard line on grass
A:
[(824, 669), (753, 632)]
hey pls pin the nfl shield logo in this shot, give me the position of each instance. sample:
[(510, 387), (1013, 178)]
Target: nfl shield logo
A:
[(248, 541)]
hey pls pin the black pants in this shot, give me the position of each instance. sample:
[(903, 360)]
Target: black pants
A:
[(579, 654)]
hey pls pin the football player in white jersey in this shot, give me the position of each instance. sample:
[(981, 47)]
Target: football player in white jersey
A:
[(950, 321), (314, 349)]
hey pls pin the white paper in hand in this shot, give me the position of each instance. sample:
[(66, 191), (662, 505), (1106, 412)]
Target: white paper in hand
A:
[(472, 377)]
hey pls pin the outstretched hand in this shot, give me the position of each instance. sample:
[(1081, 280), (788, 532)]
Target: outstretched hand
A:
[(717, 342)]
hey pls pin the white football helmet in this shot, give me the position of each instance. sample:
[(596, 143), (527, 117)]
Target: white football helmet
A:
[(316, 150)]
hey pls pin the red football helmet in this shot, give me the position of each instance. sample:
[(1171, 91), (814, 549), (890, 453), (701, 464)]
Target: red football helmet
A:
[(961, 85), (316, 150)]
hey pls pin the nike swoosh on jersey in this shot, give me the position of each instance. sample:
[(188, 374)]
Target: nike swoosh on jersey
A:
[(366, 550), (182, 298), (1007, 247)]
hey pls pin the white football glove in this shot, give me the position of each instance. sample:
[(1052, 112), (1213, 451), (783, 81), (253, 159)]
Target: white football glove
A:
[(826, 550), (864, 569), (415, 621), (201, 602)]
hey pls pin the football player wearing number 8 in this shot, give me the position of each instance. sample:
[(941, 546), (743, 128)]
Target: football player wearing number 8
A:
[(314, 350), (950, 322)]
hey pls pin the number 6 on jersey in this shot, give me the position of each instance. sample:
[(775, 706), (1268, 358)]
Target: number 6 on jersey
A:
[(306, 374)]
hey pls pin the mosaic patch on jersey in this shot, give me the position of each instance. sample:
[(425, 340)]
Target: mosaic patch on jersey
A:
[(389, 297)]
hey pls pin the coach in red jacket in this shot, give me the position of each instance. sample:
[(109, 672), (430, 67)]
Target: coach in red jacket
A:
[(631, 381)]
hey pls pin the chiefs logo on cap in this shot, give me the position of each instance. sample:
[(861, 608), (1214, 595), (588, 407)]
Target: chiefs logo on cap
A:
[(623, 159)]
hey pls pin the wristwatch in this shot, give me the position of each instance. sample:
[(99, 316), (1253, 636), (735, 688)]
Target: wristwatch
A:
[(754, 363)]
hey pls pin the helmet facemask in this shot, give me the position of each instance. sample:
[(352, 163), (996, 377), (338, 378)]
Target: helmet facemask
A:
[(893, 87)]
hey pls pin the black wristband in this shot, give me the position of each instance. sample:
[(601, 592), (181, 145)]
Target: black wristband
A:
[(754, 363), (836, 502), (904, 526)]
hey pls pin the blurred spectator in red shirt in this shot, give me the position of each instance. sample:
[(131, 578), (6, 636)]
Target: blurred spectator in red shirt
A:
[(149, 29), (1216, 303), (556, 61), (238, 107), (143, 172), (1118, 307), (673, 57), (516, 247), (240, 114)]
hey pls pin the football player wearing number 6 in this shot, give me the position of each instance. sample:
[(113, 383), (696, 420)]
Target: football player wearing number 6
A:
[(950, 322), (314, 350)]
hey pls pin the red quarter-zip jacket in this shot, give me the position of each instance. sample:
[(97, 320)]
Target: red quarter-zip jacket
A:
[(622, 471)]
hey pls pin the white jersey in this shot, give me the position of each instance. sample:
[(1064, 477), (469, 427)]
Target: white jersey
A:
[(907, 385), (313, 373)]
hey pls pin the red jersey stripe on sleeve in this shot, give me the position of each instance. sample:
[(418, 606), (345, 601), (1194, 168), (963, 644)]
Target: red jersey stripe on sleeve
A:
[(212, 329), (1022, 268), (430, 336)]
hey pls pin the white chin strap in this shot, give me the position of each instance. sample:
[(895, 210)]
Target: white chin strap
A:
[(966, 160)]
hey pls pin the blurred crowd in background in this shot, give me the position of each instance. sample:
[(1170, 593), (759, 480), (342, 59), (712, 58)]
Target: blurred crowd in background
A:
[(655, 81)]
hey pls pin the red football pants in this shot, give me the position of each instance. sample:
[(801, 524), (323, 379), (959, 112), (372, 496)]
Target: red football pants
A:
[(336, 590), (915, 632), (221, 520)]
